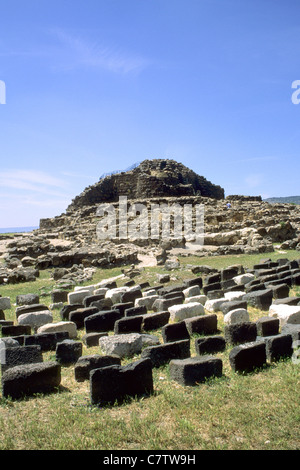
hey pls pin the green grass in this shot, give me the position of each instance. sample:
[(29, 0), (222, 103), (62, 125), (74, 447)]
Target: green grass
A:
[(252, 411)]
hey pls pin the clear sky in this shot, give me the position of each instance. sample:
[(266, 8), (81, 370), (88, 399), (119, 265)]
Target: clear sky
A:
[(93, 86)]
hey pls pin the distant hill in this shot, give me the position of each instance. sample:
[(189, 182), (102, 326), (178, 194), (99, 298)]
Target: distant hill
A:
[(284, 200)]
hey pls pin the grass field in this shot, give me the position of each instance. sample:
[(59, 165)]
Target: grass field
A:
[(254, 411)]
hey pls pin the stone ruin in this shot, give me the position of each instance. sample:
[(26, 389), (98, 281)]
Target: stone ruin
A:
[(125, 320), (120, 320), (70, 241)]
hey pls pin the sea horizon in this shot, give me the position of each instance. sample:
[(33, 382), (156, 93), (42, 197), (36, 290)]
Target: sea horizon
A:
[(18, 229)]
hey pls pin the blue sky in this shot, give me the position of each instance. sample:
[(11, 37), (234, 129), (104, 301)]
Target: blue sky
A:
[(94, 86)]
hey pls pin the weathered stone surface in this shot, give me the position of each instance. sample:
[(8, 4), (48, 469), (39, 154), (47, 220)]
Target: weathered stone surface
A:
[(147, 301), (59, 296), (116, 294), (78, 316), (112, 384), (78, 297), (201, 299), (267, 326), (67, 309), (280, 291), (194, 370), (163, 353), (46, 341), (5, 303), (29, 379), (134, 311), (35, 319), (31, 308), (181, 312), (20, 355), (85, 364), (27, 299), (191, 291), (68, 351), (131, 295), (175, 332), (285, 313), (247, 357), (203, 324), (92, 339), (238, 315), (243, 279), (210, 344), (128, 325), (153, 321), (102, 321), (214, 305), (126, 345), (67, 326), (160, 305), (233, 305), (261, 299), (278, 347), (92, 298), (237, 333), (15, 330)]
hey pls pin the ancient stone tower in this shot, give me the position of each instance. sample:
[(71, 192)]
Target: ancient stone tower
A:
[(150, 179)]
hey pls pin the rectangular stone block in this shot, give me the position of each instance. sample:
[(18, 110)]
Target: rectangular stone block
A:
[(20, 355), (237, 333), (78, 316), (68, 352), (102, 321), (210, 344), (164, 353), (46, 341), (247, 357), (175, 332), (195, 370), (129, 325), (5, 303), (267, 326), (29, 379), (78, 297), (112, 384), (153, 321), (86, 364), (278, 347), (15, 330), (202, 325)]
